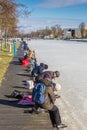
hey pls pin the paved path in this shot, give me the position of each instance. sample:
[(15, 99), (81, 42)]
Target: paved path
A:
[(12, 116)]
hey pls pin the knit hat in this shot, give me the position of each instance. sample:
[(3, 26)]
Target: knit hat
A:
[(42, 64), (47, 76), (45, 66), (57, 73)]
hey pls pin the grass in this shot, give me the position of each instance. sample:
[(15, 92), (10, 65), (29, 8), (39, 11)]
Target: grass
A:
[(5, 59)]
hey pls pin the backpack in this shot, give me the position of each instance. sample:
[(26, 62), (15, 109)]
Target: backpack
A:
[(25, 62), (17, 94), (38, 93)]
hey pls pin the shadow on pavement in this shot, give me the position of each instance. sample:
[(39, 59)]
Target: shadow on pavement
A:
[(14, 103)]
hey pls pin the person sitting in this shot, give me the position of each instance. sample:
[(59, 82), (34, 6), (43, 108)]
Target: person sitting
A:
[(31, 54), (32, 65), (25, 48), (23, 58), (48, 102), (39, 69)]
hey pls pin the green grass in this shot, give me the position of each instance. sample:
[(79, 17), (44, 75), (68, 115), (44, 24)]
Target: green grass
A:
[(5, 59)]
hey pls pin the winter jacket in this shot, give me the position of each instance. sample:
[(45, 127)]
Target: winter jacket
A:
[(49, 95), (40, 77), (37, 70)]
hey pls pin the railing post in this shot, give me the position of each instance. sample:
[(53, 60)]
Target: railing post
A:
[(9, 47)]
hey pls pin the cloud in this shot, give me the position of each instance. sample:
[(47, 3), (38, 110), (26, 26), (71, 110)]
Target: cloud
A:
[(60, 3)]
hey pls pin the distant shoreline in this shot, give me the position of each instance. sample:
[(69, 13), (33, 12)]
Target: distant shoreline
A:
[(78, 40)]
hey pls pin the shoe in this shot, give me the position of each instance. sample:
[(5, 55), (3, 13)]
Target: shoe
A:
[(40, 110), (36, 111), (61, 126)]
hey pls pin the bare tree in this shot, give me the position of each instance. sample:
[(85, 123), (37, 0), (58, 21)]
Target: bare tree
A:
[(82, 28), (58, 31), (9, 16)]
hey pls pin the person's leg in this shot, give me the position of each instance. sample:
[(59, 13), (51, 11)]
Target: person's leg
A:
[(56, 118), (52, 118), (56, 115)]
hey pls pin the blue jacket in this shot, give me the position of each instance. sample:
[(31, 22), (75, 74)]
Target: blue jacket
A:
[(37, 70)]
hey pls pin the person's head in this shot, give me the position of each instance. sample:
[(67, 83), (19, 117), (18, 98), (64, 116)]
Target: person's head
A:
[(45, 66), (56, 74), (42, 64)]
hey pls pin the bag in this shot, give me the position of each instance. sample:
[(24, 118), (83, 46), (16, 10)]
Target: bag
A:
[(29, 84), (17, 94), (25, 62), (26, 100), (38, 93)]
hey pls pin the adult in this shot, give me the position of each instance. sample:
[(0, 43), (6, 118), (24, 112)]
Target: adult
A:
[(49, 103), (39, 69), (25, 47)]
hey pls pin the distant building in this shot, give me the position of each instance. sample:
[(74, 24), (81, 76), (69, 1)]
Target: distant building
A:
[(71, 33)]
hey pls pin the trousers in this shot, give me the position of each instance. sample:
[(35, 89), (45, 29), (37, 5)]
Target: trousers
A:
[(55, 116)]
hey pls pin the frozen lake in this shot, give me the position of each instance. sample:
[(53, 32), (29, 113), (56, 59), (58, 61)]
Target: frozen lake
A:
[(70, 58)]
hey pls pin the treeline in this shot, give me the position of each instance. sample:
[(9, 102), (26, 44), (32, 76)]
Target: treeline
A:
[(8, 17), (56, 31)]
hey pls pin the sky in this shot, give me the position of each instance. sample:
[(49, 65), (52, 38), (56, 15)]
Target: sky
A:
[(48, 13)]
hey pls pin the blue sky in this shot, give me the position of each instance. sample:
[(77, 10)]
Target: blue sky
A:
[(66, 13)]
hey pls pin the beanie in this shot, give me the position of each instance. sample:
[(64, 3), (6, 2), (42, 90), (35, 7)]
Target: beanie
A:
[(57, 73), (45, 66)]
